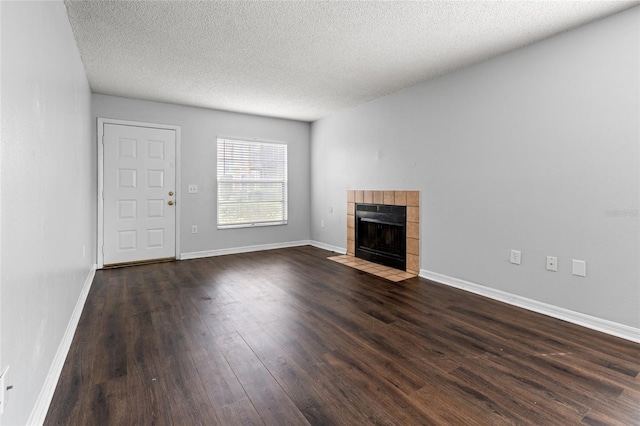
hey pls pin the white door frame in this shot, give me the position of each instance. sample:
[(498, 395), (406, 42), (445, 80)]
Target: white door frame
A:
[(100, 133)]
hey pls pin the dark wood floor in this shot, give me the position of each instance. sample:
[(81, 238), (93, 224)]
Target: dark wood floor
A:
[(287, 337)]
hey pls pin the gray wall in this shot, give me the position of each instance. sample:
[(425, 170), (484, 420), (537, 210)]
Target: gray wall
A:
[(199, 129), (536, 150), (48, 193)]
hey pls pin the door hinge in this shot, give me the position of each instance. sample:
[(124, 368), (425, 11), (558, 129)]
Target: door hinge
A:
[(103, 140)]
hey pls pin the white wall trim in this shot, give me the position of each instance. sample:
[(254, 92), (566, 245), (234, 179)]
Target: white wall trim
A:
[(248, 249), (329, 247), (588, 321), (245, 249), (43, 402), (100, 133)]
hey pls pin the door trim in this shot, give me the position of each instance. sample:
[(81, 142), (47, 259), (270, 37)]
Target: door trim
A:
[(100, 134)]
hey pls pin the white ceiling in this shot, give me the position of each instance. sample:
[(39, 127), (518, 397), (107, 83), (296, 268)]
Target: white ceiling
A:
[(301, 60)]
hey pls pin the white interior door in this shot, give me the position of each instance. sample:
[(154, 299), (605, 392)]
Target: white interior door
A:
[(139, 194)]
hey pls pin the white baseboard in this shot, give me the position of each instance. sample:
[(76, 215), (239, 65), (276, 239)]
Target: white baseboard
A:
[(588, 321), (248, 249), (43, 402), (329, 247), (245, 249)]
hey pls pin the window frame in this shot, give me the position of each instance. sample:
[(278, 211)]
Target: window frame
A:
[(284, 182)]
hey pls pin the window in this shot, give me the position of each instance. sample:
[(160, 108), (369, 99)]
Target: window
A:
[(252, 183)]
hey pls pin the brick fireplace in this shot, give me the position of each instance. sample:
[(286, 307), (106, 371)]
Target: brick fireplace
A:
[(409, 199)]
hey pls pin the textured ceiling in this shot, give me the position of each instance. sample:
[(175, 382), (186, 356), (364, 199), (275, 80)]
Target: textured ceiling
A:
[(302, 60)]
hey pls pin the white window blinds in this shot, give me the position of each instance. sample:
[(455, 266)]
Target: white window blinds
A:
[(252, 183)]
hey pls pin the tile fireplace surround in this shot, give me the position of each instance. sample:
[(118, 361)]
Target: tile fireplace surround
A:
[(410, 199)]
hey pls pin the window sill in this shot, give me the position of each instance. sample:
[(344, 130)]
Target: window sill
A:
[(252, 225)]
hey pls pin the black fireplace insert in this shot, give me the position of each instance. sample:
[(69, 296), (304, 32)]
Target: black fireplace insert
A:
[(380, 233)]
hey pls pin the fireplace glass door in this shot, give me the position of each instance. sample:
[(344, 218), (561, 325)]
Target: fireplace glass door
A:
[(381, 234)]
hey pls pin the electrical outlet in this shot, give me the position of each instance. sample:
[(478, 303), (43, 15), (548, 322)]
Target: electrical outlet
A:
[(516, 256), (322, 224), (194, 229), (193, 189), (3, 387), (552, 263)]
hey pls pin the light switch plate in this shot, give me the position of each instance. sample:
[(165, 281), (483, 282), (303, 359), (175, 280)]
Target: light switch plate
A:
[(193, 189), (516, 257), (579, 268)]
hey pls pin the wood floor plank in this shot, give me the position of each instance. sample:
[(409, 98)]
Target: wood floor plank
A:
[(186, 397), (289, 337), (625, 410), (240, 413), (220, 381), (271, 402), (314, 402), (450, 403), (379, 392)]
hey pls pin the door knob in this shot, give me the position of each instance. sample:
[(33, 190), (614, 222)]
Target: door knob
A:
[(170, 202), (170, 193)]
